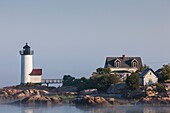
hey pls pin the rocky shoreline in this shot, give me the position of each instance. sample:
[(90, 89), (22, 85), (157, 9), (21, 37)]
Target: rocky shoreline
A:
[(42, 95), (27, 95)]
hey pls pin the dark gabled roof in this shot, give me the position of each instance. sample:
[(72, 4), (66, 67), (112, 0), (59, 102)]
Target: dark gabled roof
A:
[(158, 71), (36, 72), (145, 72), (125, 62)]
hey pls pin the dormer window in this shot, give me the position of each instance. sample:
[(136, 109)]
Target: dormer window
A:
[(134, 63), (117, 63)]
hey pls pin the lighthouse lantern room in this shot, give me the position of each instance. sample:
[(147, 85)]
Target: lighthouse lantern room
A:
[(28, 74)]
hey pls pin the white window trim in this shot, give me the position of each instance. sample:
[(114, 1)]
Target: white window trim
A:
[(117, 63), (134, 63)]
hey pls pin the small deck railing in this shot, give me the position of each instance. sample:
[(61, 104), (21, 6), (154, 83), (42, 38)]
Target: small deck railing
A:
[(52, 81)]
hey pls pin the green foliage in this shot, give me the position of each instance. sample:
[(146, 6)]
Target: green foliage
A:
[(132, 81), (103, 70), (114, 78), (142, 68), (164, 74), (68, 80), (101, 81), (160, 88), (81, 83)]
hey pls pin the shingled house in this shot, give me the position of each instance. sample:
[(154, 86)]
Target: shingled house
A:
[(123, 66)]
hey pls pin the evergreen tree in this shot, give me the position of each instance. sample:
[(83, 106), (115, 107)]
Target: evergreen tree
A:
[(103, 70), (164, 74), (68, 80), (132, 81)]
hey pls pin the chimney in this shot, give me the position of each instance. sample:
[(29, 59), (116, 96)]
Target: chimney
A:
[(123, 57)]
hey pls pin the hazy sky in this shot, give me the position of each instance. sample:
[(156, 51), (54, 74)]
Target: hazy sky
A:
[(75, 36)]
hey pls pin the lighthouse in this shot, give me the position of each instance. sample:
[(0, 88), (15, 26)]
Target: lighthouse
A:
[(28, 74)]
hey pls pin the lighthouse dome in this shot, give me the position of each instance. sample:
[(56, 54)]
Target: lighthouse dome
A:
[(26, 50), (26, 46)]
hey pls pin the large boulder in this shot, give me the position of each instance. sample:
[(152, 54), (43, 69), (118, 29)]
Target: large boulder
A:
[(3, 93), (37, 99), (66, 89), (135, 94), (151, 92), (154, 100), (90, 100), (55, 99), (100, 100), (89, 92), (13, 95), (117, 88), (40, 100), (8, 91), (111, 100)]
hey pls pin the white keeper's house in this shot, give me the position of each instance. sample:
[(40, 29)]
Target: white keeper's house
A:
[(148, 77)]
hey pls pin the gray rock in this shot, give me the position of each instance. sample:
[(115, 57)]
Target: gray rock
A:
[(90, 100), (12, 96), (117, 88), (40, 100), (66, 89), (154, 100), (89, 92)]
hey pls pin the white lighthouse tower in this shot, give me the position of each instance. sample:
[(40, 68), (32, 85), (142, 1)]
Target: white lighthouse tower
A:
[(28, 73), (26, 64)]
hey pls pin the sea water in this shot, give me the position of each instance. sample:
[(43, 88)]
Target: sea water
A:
[(83, 109)]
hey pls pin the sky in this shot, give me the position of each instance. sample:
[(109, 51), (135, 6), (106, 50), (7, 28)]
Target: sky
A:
[(75, 36)]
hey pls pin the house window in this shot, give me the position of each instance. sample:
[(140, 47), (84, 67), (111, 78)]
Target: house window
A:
[(134, 64), (117, 64)]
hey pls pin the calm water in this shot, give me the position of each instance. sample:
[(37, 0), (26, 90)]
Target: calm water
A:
[(74, 109)]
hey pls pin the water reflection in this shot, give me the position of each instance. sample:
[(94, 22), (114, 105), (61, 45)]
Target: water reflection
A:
[(83, 109), (27, 111), (33, 109), (125, 109)]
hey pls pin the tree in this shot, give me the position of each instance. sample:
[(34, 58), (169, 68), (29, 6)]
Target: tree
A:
[(114, 78), (68, 80), (142, 68), (164, 73), (82, 83), (103, 82), (103, 70), (133, 81)]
